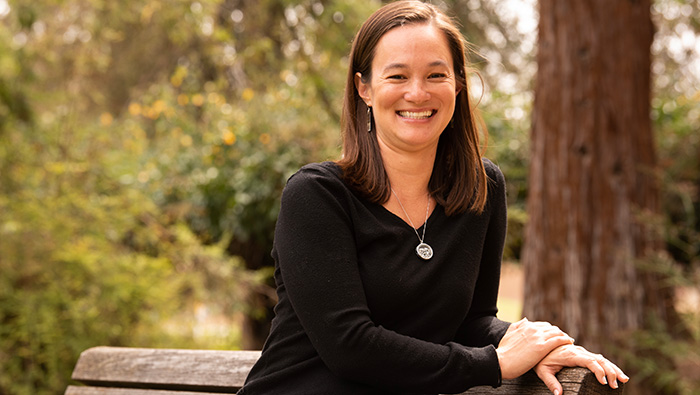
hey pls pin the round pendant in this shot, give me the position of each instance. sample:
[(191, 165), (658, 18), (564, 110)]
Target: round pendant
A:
[(424, 251)]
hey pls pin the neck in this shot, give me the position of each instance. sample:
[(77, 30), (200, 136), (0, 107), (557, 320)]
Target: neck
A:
[(409, 172)]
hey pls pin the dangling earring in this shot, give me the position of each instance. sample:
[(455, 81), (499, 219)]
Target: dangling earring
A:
[(369, 119)]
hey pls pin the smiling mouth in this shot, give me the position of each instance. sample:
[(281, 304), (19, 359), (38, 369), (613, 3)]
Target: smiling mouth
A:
[(416, 114)]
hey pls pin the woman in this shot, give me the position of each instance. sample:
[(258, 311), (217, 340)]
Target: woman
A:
[(388, 260)]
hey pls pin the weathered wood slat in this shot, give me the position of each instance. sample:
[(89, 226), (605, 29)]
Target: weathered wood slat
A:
[(573, 380), (141, 371), (79, 390), (169, 369)]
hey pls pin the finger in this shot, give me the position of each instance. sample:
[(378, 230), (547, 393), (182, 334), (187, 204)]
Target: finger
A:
[(611, 371), (545, 330), (594, 366), (623, 377), (550, 380), (557, 329), (606, 372), (554, 331), (541, 325), (620, 374), (556, 341)]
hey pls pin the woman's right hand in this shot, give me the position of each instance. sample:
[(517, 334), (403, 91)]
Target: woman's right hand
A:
[(525, 344), (571, 355)]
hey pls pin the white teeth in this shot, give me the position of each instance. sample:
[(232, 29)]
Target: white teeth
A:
[(416, 115)]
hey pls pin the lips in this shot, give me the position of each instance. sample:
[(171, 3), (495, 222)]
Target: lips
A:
[(417, 114)]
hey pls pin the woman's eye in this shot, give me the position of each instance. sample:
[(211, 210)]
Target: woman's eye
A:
[(438, 75), (396, 77)]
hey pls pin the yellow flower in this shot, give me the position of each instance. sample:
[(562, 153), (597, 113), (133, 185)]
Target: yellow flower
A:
[(228, 137), (198, 100), (106, 119), (159, 106), (265, 138), (248, 94), (151, 112), (134, 108)]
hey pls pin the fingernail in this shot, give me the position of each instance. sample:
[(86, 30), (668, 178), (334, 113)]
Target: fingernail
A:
[(556, 392), (614, 384), (605, 380)]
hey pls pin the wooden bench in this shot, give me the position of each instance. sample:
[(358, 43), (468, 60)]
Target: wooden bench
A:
[(144, 371)]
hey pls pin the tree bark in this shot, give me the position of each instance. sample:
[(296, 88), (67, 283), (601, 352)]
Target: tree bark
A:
[(592, 173)]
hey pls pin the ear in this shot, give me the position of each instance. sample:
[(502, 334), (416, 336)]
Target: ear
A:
[(364, 90)]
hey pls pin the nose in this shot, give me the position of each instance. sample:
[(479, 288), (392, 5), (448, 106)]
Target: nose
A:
[(416, 92)]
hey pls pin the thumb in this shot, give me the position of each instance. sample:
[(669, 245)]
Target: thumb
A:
[(550, 381)]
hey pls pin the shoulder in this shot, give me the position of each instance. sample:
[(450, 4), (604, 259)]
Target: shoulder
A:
[(494, 174), (324, 169), (316, 173), (316, 179), (314, 194), (496, 184)]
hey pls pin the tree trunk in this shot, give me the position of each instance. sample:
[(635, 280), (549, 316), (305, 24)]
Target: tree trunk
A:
[(592, 173)]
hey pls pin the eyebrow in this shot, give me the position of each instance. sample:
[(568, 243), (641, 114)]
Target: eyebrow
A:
[(405, 66)]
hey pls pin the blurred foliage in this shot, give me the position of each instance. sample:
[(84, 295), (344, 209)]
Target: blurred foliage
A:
[(666, 358), (663, 357), (86, 260), (676, 117), (144, 146), (139, 142)]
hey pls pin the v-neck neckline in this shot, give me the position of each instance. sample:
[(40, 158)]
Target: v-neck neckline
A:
[(403, 221)]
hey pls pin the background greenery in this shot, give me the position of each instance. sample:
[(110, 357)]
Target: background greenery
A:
[(144, 145)]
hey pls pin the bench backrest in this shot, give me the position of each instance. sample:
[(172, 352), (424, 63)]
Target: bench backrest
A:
[(144, 371)]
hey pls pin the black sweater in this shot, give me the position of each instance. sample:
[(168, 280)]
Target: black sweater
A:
[(360, 313)]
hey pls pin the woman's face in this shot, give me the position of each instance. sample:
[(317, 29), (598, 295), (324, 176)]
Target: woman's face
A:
[(412, 90)]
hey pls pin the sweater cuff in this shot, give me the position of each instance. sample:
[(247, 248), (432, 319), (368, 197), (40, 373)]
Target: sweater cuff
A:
[(496, 377), (482, 365), (499, 373)]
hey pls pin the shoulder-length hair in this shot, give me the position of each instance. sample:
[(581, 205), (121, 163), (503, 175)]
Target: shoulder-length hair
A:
[(458, 181)]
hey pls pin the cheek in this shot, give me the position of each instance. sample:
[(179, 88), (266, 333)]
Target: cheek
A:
[(449, 98), (386, 97)]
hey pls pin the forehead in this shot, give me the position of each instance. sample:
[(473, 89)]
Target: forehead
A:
[(411, 46)]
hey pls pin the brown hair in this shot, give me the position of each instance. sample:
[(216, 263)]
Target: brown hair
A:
[(458, 181)]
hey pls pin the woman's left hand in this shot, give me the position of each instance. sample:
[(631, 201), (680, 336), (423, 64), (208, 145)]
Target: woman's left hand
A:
[(571, 355)]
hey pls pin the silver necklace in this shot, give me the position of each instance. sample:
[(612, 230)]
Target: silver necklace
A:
[(423, 250)]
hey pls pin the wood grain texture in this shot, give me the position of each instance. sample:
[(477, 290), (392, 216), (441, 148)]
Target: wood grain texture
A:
[(573, 380), (199, 370), (80, 390), (140, 371)]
